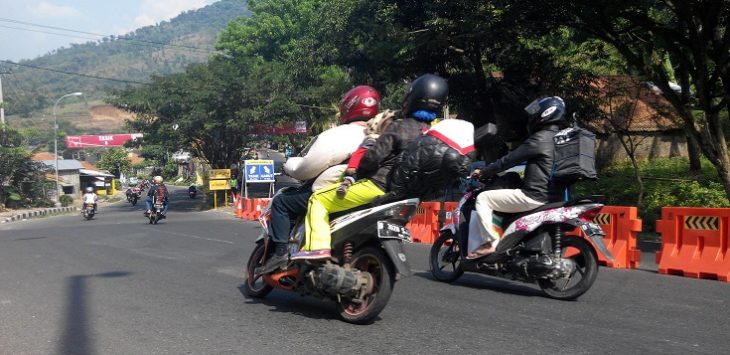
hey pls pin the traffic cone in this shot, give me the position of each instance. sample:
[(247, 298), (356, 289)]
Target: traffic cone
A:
[(239, 207)]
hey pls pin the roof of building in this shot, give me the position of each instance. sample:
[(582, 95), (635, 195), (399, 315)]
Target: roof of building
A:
[(634, 106), (95, 173), (42, 156), (64, 164), (88, 165)]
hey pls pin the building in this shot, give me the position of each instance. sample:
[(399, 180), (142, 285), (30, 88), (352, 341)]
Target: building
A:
[(68, 173)]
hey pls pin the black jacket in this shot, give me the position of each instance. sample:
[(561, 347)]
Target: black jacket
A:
[(538, 152), (378, 161), (426, 167)]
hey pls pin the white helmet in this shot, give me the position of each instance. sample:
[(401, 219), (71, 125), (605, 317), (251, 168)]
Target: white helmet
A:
[(89, 189), (157, 179)]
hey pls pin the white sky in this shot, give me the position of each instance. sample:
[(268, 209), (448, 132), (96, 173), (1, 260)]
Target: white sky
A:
[(97, 16)]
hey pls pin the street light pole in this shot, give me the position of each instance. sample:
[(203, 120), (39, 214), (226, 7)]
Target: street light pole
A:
[(55, 135)]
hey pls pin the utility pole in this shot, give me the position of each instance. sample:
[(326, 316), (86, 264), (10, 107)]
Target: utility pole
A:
[(2, 103)]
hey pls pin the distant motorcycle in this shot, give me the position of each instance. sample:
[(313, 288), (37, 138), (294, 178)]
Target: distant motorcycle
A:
[(192, 193), (88, 211), (134, 196), (533, 249), (156, 211)]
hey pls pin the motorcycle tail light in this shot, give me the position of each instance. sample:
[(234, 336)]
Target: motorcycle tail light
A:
[(406, 212)]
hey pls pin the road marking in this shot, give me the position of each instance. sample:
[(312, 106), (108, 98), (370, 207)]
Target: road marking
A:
[(196, 237)]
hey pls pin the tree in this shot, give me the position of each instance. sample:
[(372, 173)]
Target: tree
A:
[(116, 161), (20, 180), (691, 34)]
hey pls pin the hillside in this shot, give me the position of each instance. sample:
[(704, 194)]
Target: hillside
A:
[(165, 48)]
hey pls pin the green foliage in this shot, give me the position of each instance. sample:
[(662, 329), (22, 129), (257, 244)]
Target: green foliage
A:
[(116, 161), (169, 171), (65, 200), (21, 180), (664, 187)]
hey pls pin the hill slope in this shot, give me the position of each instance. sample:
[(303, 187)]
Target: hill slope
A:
[(153, 50)]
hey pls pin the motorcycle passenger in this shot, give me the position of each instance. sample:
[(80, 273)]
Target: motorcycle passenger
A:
[(321, 166), (90, 197), (425, 97), (158, 190), (546, 116), (128, 192)]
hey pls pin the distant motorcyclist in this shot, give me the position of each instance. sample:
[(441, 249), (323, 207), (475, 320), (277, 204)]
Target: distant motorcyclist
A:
[(159, 192), (90, 197), (321, 166), (546, 115)]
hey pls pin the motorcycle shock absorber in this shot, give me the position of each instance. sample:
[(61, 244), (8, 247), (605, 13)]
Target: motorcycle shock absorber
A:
[(347, 253), (557, 240)]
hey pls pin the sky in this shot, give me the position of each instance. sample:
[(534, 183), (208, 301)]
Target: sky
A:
[(108, 17)]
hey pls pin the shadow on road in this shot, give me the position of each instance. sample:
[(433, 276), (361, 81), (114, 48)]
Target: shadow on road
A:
[(483, 282), (288, 302), (75, 338)]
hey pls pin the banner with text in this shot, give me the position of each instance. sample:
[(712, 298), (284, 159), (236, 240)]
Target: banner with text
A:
[(100, 140)]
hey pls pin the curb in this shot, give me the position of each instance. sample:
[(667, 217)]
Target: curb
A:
[(39, 213)]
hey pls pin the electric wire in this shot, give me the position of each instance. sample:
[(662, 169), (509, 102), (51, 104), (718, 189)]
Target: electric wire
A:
[(72, 73)]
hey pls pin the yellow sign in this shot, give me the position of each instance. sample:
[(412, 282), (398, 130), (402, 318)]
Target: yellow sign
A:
[(219, 185), (219, 173)]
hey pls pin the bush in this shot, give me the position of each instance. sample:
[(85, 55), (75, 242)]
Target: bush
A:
[(666, 183), (65, 200)]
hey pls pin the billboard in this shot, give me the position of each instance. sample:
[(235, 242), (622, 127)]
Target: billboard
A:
[(100, 140)]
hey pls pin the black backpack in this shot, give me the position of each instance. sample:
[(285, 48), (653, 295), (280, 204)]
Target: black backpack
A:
[(574, 156)]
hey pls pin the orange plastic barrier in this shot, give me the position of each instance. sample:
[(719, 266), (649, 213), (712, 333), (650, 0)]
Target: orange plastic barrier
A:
[(695, 242), (448, 213), (621, 225), (249, 209), (424, 224), (258, 207)]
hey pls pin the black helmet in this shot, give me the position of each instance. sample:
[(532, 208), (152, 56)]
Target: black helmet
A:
[(428, 92), (545, 111)]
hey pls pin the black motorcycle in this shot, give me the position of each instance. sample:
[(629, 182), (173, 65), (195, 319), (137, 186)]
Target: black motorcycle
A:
[(156, 214), (88, 211), (534, 247), (367, 256)]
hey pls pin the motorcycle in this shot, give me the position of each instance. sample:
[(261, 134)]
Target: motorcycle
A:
[(367, 253), (88, 211), (134, 196), (156, 212), (192, 193), (533, 249)]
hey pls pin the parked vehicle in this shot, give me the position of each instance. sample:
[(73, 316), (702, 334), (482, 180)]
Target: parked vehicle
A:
[(367, 256), (534, 247)]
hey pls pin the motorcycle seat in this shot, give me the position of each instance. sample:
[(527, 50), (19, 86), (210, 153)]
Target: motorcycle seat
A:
[(508, 218)]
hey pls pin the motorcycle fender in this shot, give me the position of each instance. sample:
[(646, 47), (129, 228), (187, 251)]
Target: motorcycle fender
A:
[(450, 227), (594, 233), (396, 253)]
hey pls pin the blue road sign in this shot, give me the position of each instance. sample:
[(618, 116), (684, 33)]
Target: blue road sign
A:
[(259, 171)]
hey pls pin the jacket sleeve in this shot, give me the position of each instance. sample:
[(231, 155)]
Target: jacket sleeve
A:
[(331, 147), (388, 142), (526, 151)]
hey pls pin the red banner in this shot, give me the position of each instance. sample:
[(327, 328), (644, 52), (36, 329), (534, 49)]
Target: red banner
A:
[(286, 128), (101, 140)]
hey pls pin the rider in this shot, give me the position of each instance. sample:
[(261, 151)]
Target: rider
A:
[(321, 166), (90, 197), (158, 186), (546, 116), (424, 99)]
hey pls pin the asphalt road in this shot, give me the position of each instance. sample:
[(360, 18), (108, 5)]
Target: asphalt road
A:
[(117, 285)]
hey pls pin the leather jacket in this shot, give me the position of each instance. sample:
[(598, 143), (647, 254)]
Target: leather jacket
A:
[(377, 163), (537, 151)]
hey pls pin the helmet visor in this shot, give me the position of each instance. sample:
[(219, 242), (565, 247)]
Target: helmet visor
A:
[(533, 108)]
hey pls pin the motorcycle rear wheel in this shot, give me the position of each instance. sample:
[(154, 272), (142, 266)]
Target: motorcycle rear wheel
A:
[(586, 262), (255, 287), (373, 261), (444, 252)]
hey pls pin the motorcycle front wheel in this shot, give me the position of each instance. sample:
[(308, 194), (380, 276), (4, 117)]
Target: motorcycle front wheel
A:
[(255, 287), (586, 270), (445, 259), (374, 262)]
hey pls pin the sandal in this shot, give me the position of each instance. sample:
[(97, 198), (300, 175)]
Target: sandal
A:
[(483, 250)]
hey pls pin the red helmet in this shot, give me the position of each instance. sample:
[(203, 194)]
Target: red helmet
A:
[(359, 104)]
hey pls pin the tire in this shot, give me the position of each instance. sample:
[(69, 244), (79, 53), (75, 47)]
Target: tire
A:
[(586, 262), (152, 217), (374, 261), (156, 217), (444, 253), (134, 202), (250, 286)]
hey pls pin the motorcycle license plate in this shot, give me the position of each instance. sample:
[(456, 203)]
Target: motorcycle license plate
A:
[(387, 230), (592, 230)]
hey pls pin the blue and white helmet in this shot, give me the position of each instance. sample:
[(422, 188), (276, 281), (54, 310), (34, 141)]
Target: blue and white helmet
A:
[(545, 111)]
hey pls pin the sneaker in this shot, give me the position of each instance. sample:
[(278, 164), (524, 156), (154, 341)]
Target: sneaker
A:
[(274, 263), (147, 213), (312, 255)]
